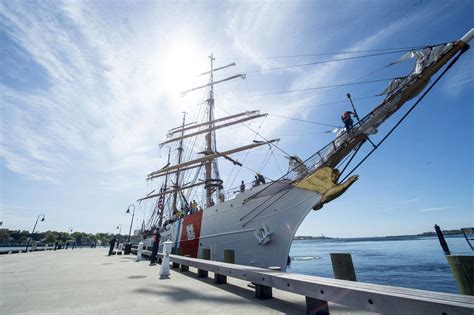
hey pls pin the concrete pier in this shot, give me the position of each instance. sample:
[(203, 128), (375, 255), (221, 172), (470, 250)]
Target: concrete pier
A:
[(87, 281)]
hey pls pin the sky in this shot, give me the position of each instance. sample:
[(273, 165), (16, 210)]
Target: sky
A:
[(88, 90)]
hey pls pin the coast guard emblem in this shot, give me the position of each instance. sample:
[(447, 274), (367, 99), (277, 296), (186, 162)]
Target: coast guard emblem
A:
[(190, 232)]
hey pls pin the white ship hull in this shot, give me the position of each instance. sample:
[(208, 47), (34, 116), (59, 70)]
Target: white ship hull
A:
[(259, 231)]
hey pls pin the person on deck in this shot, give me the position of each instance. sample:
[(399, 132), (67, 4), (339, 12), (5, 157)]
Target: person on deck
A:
[(261, 179), (347, 120), (257, 181), (112, 245), (242, 187), (154, 251)]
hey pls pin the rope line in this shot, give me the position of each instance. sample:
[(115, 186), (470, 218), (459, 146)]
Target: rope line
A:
[(328, 53), (323, 62), (311, 88)]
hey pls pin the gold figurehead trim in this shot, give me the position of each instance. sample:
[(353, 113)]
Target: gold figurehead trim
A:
[(324, 181)]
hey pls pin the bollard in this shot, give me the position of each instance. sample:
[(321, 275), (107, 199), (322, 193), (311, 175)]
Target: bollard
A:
[(343, 267), (229, 257), (139, 251), (165, 265), (45, 247), (463, 271), (206, 254), (184, 268)]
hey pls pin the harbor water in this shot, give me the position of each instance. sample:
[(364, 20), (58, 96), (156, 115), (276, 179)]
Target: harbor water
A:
[(417, 262)]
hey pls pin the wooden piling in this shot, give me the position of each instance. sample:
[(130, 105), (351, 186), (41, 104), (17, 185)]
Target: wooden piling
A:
[(463, 271), (206, 254), (342, 266)]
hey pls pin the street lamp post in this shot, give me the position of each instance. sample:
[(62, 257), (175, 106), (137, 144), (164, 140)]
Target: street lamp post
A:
[(119, 227), (131, 223), (42, 219)]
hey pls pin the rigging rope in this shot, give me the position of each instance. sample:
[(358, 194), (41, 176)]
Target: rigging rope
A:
[(311, 88), (306, 121), (258, 134), (324, 61), (329, 53)]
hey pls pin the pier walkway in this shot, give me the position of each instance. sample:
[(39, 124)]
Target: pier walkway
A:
[(86, 281)]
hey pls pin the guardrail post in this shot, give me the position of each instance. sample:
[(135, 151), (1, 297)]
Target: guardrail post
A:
[(316, 307), (343, 267), (179, 252), (184, 268), (206, 254), (229, 257), (264, 292), (463, 271)]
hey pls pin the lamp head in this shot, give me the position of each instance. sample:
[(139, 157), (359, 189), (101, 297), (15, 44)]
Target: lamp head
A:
[(42, 219), (128, 210)]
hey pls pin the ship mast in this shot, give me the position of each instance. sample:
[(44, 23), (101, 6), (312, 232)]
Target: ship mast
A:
[(210, 166), (180, 156), (212, 182), (210, 108), (164, 189)]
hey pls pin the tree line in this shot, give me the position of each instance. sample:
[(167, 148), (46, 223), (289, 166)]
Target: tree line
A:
[(11, 237)]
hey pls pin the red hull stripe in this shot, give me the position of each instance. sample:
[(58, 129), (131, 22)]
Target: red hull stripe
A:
[(190, 233)]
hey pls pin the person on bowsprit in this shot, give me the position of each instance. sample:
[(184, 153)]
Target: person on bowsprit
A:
[(347, 120)]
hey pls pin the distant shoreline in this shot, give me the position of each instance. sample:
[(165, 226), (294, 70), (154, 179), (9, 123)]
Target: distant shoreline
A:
[(378, 238)]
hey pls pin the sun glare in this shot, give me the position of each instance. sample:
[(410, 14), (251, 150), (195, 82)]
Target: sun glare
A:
[(181, 66)]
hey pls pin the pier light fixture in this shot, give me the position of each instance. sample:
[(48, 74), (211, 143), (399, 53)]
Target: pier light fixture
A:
[(119, 227), (42, 216), (131, 222)]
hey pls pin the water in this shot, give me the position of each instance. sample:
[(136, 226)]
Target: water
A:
[(417, 263)]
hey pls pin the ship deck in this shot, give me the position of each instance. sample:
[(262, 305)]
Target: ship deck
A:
[(86, 281)]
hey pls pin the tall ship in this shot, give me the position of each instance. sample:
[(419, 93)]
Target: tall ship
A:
[(259, 220)]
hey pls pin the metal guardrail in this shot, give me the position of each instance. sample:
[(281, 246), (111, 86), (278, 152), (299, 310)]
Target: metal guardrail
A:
[(319, 290)]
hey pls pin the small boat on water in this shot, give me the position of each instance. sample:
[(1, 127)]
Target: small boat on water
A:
[(259, 223)]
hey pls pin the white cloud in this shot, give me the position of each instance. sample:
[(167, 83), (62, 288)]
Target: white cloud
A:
[(435, 209)]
